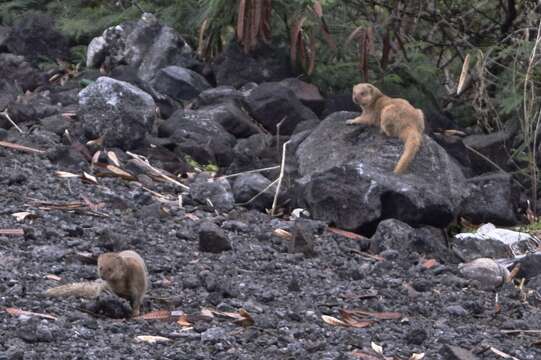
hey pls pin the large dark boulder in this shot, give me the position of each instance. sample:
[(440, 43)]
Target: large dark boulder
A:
[(271, 103), (247, 186), (218, 95), (236, 121), (145, 44), (307, 93), (179, 83), (34, 36), (120, 112), (197, 134), (493, 199), (16, 70), (235, 68), (393, 234), (345, 176)]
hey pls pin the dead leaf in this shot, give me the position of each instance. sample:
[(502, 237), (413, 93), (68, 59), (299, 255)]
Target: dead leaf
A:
[(417, 356), (12, 232), (351, 321), (65, 174), (96, 157), (377, 348), (151, 339), (19, 312), (89, 177), (14, 146), (183, 321), (53, 277), (348, 234), (281, 233), (207, 313), (429, 263), (21, 216), (377, 315), (191, 216), (363, 355), (246, 320), (464, 76), (156, 315), (114, 159), (333, 321), (119, 172)]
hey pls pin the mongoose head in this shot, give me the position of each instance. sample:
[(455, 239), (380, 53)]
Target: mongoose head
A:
[(110, 266), (365, 94)]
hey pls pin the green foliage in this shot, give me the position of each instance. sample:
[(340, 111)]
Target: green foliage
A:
[(201, 167)]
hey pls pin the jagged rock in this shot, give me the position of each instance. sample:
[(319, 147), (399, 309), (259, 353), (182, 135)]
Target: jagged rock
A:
[(212, 239), (55, 123), (235, 68), (217, 191), (393, 234), (345, 177), (494, 146), (179, 83), (233, 119), (120, 112), (247, 186), (8, 94), (17, 70), (34, 35), (197, 134), (492, 199), (530, 266), (339, 102), (450, 352), (470, 248), (307, 93), (255, 152), (218, 95), (32, 107), (270, 103), (145, 44)]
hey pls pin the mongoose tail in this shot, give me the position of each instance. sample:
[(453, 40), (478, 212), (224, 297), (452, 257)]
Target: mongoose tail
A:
[(86, 290), (412, 142)]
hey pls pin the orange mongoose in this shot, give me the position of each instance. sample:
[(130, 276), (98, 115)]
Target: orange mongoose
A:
[(124, 273), (396, 117)]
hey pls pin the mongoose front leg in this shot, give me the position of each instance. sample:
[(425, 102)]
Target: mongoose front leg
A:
[(364, 119)]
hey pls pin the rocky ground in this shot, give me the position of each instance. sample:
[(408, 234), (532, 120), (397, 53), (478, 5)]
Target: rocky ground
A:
[(368, 271)]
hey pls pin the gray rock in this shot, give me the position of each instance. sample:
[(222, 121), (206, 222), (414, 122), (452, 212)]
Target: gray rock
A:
[(235, 68), (17, 70), (217, 191), (307, 93), (493, 199), (179, 83), (450, 352), (197, 134), (270, 103), (218, 95), (34, 36), (145, 44), (212, 239), (345, 177), (247, 186), (236, 121), (55, 123), (393, 234), (120, 112), (471, 248)]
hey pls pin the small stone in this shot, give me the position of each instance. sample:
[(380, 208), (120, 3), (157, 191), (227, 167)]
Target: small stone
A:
[(212, 238)]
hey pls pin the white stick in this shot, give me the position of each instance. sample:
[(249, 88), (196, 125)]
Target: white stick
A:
[(280, 178)]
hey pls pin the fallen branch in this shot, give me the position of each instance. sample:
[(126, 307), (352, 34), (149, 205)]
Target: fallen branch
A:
[(260, 193), (143, 162), (280, 178), (249, 172), (6, 115)]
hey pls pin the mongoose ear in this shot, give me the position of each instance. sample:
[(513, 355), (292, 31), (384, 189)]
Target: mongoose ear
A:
[(374, 90)]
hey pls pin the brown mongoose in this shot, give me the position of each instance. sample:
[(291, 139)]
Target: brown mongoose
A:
[(123, 273), (395, 117)]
